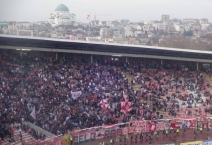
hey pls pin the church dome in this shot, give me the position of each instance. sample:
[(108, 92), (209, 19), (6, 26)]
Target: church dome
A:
[(62, 7)]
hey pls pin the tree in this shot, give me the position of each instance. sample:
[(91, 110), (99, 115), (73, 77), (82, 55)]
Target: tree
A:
[(188, 33)]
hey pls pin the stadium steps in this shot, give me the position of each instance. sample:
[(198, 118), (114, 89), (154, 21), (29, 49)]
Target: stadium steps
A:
[(208, 78), (26, 137)]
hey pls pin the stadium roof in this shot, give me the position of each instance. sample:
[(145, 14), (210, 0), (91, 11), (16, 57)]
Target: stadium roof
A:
[(88, 47)]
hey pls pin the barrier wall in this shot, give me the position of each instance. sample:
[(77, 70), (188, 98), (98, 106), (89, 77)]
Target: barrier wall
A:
[(83, 135), (100, 132), (48, 141)]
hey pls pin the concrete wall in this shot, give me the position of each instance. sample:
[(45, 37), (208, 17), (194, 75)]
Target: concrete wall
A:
[(38, 129)]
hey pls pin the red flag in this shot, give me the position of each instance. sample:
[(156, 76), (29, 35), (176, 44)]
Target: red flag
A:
[(173, 125), (126, 106), (88, 16), (152, 127), (104, 104)]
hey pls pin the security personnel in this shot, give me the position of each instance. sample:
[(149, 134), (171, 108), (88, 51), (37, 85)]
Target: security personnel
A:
[(141, 137), (70, 140), (150, 138), (156, 133), (167, 132), (184, 130), (120, 141), (117, 139), (136, 137), (125, 139), (170, 132), (208, 130), (147, 136), (103, 143), (177, 131), (195, 133), (111, 142), (131, 138), (164, 132), (200, 129)]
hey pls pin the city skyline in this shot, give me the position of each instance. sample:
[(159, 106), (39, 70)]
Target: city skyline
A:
[(135, 10)]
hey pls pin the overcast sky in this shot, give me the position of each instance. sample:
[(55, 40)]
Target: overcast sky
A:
[(134, 10)]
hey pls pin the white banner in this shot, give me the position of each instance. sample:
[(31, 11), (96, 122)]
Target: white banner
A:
[(33, 113), (76, 95)]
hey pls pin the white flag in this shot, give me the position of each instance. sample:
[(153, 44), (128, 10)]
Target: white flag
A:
[(125, 94), (33, 113), (75, 95)]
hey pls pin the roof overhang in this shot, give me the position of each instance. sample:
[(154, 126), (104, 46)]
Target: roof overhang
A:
[(87, 47)]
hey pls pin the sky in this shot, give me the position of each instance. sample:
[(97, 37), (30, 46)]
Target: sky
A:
[(133, 10)]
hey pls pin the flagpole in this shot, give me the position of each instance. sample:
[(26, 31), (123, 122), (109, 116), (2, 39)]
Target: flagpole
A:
[(89, 27)]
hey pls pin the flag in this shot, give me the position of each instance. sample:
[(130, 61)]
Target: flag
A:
[(126, 106), (191, 124), (104, 104), (76, 95), (88, 16), (173, 125), (125, 94), (33, 113), (152, 127)]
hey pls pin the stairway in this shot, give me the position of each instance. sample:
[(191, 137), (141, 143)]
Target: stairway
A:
[(26, 137)]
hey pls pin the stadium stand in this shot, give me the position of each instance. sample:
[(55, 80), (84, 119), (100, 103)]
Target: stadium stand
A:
[(71, 92)]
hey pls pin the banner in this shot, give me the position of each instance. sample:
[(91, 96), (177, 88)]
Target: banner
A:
[(76, 95), (167, 144), (207, 142), (131, 128), (193, 143)]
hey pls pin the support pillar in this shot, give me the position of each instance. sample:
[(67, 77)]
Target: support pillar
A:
[(126, 60), (161, 62), (56, 55), (91, 58), (197, 66)]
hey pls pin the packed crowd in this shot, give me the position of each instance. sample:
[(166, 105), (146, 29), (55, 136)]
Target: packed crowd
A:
[(41, 81)]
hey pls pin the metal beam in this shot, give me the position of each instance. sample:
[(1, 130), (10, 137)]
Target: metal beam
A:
[(107, 53)]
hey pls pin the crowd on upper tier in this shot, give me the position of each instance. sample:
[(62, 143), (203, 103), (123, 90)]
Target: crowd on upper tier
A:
[(44, 82)]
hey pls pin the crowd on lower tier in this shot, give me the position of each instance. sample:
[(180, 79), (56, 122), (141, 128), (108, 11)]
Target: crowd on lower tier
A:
[(46, 83)]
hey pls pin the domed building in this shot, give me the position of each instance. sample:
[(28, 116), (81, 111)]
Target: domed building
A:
[(61, 16)]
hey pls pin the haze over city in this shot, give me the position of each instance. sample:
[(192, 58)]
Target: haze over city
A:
[(134, 10)]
